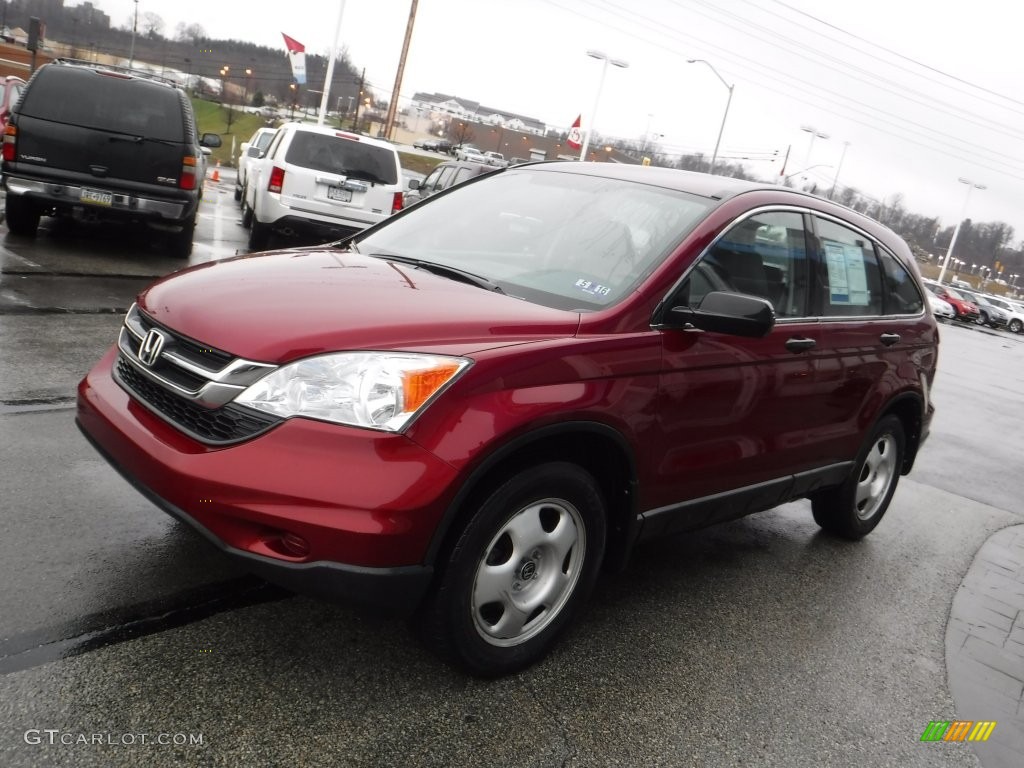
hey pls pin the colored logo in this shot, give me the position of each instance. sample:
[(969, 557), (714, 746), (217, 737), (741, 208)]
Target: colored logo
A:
[(958, 730)]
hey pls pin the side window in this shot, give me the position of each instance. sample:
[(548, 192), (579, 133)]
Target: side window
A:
[(902, 296), (431, 181), (764, 256), (445, 180), (849, 279)]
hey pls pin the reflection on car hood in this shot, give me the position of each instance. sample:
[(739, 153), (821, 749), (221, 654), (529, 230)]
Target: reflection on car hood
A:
[(284, 305)]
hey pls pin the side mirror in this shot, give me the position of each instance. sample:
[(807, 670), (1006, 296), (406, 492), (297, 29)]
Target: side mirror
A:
[(415, 183), (254, 152), (210, 140), (733, 313)]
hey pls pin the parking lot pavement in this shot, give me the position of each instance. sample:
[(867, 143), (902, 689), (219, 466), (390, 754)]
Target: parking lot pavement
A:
[(759, 642), (985, 645)]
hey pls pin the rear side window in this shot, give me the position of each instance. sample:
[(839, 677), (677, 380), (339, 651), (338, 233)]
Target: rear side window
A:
[(902, 296), (105, 102), (333, 154), (850, 282)]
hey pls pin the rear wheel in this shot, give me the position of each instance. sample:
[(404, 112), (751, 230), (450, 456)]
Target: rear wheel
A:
[(246, 210), (22, 216), (520, 571), (259, 235), (180, 243), (853, 509)]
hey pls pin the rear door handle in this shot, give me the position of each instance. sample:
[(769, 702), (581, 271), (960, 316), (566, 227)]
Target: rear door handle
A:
[(889, 339), (800, 344)]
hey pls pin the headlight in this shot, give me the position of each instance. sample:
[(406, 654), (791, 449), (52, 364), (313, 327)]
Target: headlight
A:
[(379, 390)]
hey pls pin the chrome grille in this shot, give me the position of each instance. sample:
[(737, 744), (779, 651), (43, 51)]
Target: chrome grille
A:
[(187, 384)]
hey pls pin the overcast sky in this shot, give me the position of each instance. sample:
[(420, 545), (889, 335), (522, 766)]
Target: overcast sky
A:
[(924, 92)]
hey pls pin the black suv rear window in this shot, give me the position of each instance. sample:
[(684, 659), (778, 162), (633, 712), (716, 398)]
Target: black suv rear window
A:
[(106, 102), (333, 154)]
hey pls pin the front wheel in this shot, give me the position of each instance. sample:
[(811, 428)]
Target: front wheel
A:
[(853, 509), (519, 572), (1016, 325)]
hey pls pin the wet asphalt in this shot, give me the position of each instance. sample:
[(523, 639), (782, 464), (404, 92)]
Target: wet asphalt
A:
[(758, 642)]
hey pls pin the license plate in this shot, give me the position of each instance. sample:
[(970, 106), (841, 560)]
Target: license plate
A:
[(339, 193), (96, 197)]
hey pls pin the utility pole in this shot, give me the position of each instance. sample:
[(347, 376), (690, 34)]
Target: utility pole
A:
[(135, 25), (389, 121), (359, 99)]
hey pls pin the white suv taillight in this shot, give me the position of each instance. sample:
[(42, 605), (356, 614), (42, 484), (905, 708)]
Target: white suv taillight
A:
[(396, 202), (276, 183)]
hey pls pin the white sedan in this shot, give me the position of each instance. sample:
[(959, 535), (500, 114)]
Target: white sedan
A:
[(942, 310)]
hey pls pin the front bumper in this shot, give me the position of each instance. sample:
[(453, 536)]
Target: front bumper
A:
[(366, 504)]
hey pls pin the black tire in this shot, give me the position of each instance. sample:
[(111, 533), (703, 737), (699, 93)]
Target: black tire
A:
[(259, 235), (1015, 325), (535, 546), (853, 509), (238, 193), (179, 244), (22, 216), (246, 210), (982, 319)]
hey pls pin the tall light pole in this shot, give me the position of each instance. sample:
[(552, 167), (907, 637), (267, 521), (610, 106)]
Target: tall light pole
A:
[(815, 134), (725, 115), (835, 180), (956, 231), (597, 98), (135, 24)]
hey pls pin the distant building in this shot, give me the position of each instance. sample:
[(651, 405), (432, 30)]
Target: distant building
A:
[(438, 105)]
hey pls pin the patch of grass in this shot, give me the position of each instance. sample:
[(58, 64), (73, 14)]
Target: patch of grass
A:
[(419, 163), (211, 117)]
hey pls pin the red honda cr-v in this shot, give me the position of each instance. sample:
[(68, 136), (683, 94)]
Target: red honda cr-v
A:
[(465, 412)]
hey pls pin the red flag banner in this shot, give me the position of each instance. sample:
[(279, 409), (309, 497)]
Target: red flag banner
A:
[(575, 139), (297, 54)]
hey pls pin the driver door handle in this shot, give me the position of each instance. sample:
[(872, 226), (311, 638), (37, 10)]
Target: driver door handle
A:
[(889, 339)]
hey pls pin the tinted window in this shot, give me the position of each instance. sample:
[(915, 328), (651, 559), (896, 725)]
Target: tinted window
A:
[(763, 256), (333, 154), (849, 278), (901, 294), (107, 102), (446, 178)]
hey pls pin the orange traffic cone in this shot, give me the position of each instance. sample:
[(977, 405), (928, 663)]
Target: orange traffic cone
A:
[(216, 173)]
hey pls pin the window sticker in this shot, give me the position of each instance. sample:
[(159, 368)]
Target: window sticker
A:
[(594, 289), (847, 276)]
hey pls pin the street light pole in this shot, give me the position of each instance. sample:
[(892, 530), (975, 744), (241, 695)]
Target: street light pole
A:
[(815, 134), (597, 98), (725, 115), (956, 231), (135, 24), (835, 180)]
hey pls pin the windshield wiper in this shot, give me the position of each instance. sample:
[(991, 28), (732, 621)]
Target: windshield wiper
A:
[(444, 270)]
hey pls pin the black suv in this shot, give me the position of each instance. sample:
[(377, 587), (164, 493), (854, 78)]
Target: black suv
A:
[(104, 143)]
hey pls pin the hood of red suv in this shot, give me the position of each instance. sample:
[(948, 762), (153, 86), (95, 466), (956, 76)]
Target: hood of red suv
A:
[(281, 306)]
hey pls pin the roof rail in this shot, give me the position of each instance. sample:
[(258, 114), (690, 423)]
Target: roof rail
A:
[(142, 73)]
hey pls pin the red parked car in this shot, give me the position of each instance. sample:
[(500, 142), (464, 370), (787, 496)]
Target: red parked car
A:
[(965, 308), (467, 411)]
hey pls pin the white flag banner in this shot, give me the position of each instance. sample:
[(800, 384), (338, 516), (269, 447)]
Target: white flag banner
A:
[(297, 54)]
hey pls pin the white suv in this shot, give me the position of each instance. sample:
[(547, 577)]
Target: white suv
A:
[(322, 182)]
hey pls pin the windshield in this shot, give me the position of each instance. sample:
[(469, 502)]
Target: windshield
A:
[(560, 239), (953, 294)]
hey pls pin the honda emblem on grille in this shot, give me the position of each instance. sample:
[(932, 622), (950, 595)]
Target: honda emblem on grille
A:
[(151, 347)]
